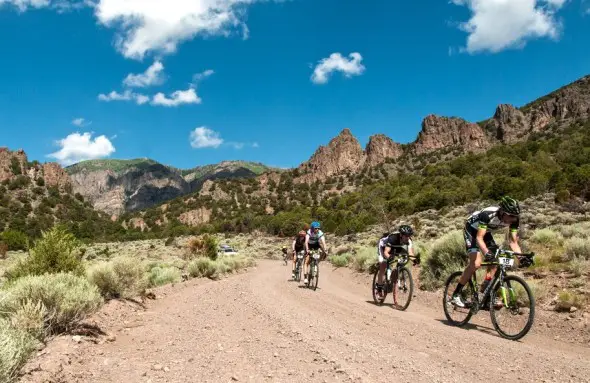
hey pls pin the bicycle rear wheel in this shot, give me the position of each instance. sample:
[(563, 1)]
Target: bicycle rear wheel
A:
[(376, 299), (403, 287), (458, 316), (518, 308)]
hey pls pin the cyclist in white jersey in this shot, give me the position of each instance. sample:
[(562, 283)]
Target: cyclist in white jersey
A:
[(478, 239), (314, 240)]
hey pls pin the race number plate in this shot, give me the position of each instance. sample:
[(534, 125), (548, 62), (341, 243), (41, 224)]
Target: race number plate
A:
[(316, 256), (506, 261), (300, 256)]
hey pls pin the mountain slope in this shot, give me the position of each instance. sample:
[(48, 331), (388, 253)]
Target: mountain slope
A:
[(116, 186), (34, 196), (452, 161)]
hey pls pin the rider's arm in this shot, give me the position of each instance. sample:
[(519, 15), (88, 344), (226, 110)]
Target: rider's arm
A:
[(386, 251), (513, 241), (323, 243), (481, 232), (293, 246), (307, 243), (411, 249)]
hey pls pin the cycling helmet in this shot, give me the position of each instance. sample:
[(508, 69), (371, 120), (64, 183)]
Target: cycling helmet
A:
[(510, 206), (315, 225), (406, 230), (302, 233)]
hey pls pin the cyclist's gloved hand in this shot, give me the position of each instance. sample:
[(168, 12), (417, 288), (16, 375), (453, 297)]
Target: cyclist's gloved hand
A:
[(489, 256)]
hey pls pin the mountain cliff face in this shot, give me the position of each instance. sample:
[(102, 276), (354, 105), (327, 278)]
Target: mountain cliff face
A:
[(117, 186), (443, 132)]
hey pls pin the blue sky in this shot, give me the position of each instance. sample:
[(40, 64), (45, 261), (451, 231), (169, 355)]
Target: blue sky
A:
[(234, 79)]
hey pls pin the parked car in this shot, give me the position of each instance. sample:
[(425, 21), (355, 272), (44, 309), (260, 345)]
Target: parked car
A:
[(227, 250)]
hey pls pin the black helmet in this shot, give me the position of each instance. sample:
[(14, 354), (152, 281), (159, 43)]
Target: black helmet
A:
[(406, 230), (510, 205)]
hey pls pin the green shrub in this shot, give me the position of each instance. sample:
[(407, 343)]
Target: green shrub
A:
[(202, 268), (122, 278), (67, 299), (159, 276), (15, 240), (578, 266), (341, 260), (30, 318), (364, 259), (15, 348), (577, 247), (53, 253), (547, 237), (446, 256)]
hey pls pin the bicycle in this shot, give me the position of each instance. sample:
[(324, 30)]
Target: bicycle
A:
[(314, 270), (515, 299), (298, 264), (400, 276)]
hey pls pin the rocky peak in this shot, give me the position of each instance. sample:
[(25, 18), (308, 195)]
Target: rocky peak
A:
[(343, 153), (55, 175), (443, 132), (509, 123), (380, 148), (7, 159)]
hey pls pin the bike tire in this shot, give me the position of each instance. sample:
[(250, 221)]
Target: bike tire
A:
[(407, 276), (378, 301), (531, 300), (298, 271), (446, 304), (316, 275)]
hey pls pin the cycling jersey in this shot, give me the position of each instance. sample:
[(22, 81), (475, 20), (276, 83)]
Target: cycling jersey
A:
[(314, 238), (484, 219), (393, 241), (487, 219)]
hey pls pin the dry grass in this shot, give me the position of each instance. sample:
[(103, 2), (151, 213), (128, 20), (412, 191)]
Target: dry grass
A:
[(547, 237), (576, 247), (15, 348), (122, 278), (568, 299)]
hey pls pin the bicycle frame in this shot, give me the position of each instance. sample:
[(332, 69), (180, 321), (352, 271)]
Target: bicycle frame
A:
[(504, 261)]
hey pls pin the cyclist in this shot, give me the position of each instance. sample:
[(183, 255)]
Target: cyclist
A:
[(284, 250), (297, 246), (386, 249), (479, 240), (314, 240)]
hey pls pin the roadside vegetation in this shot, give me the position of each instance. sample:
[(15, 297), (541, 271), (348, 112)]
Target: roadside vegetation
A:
[(58, 282)]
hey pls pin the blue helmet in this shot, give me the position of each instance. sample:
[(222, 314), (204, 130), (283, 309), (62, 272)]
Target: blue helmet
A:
[(315, 225)]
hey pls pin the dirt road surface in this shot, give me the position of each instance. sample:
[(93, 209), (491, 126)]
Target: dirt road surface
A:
[(260, 327)]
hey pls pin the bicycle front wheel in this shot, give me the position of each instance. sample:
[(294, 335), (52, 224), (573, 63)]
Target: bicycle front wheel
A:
[(458, 316), (316, 275), (403, 287), (514, 313)]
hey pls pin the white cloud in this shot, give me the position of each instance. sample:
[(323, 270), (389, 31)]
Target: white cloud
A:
[(203, 75), (203, 137), (81, 122), (496, 25), (78, 147), (59, 5), (336, 62), (152, 76), (128, 95), (177, 98), (159, 26)]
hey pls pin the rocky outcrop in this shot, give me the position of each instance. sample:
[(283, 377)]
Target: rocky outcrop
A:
[(195, 217), (7, 159), (55, 175), (446, 132), (381, 148), (343, 153)]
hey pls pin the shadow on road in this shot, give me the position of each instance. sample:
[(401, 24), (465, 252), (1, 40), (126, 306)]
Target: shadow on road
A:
[(471, 326), (383, 304)]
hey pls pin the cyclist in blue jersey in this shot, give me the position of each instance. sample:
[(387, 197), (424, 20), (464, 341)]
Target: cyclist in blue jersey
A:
[(314, 240)]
